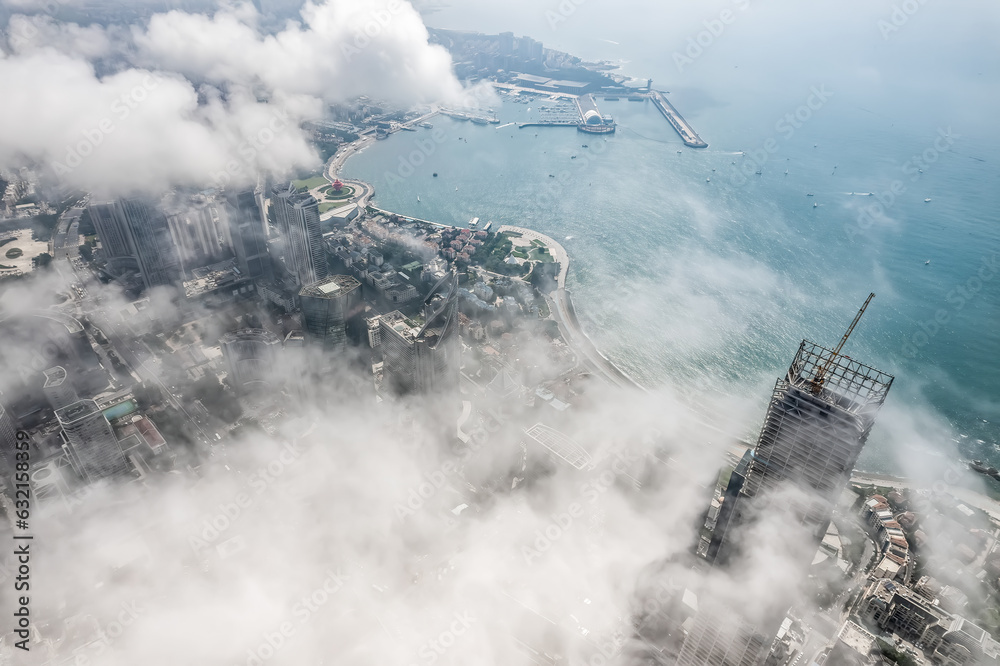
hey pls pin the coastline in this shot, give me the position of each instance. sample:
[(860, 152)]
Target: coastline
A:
[(564, 313), (559, 301)]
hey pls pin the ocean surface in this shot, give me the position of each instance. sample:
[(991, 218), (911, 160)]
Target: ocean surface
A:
[(692, 271)]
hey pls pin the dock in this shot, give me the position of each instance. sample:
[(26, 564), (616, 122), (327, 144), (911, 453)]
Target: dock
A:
[(549, 123), (684, 129)]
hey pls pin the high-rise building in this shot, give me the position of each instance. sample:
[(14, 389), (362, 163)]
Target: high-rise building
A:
[(248, 234), (251, 356), (158, 262), (423, 358), (332, 311), (93, 447), (8, 444), (115, 239), (720, 637), (506, 43), (196, 233), (58, 389), (297, 215), (817, 423), (133, 234)]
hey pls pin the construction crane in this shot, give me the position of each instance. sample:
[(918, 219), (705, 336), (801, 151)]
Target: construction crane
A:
[(817, 383)]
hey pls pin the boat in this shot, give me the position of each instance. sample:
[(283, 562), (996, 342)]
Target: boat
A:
[(572, 157), (584, 146), (418, 198), (758, 172), (809, 194), (815, 205), (473, 222), (927, 262), (486, 227), (480, 121), (927, 200), (427, 125)]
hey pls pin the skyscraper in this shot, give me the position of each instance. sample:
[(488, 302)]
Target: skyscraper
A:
[(158, 262), (423, 358), (8, 442), (58, 389), (248, 233), (332, 311), (133, 235), (111, 230), (817, 423), (93, 447), (251, 356), (297, 215)]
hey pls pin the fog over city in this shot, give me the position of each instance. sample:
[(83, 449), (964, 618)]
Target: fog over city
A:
[(502, 490)]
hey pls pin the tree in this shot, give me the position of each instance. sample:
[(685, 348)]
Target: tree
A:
[(42, 260)]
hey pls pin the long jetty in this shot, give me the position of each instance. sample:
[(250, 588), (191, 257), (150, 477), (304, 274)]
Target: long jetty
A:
[(684, 129)]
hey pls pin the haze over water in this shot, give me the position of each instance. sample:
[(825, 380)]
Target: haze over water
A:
[(709, 286)]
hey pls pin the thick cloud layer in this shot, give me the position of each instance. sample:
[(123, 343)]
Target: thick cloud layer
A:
[(199, 99)]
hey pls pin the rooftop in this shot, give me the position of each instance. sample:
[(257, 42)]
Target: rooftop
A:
[(334, 286)]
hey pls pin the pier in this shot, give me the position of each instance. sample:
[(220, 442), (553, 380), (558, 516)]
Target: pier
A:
[(684, 129), (549, 123)]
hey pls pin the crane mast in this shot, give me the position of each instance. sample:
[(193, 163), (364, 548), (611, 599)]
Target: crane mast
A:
[(817, 383)]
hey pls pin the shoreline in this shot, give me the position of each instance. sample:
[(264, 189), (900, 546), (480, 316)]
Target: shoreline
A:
[(563, 311)]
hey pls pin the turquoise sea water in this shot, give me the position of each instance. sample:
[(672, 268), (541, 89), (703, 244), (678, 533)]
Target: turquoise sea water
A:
[(688, 273)]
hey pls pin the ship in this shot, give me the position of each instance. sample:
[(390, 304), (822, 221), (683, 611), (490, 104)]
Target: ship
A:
[(473, 222)]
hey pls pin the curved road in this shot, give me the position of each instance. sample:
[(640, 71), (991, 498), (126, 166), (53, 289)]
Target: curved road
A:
[(565, 315)]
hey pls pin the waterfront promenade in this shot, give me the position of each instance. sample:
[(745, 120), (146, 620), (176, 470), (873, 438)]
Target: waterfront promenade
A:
[(561, 308)]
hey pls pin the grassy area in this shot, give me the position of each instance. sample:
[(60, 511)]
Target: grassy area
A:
[(520, 254), (5, 267), (511, 234), (324, 207), (14, 253), (309, 183), (540, 254), (537, 243), (7, 240)]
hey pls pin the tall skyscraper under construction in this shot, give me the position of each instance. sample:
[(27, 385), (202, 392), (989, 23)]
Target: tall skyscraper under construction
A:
[(817, 423), (819, 418)]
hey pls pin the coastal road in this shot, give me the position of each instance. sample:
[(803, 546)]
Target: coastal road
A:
[(565, 316)]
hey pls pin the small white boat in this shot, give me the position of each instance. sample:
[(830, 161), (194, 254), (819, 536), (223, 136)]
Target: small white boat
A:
[(927, 262), (927, 200), (708, 180), (815, 205), (418, 198)]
